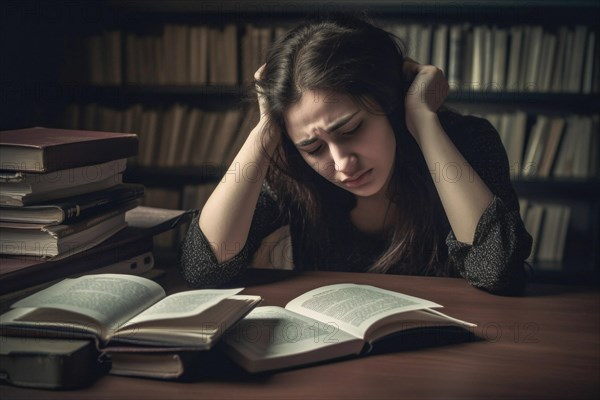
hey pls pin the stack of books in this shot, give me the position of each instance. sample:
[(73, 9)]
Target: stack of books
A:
[(65, 212), (61, 191)]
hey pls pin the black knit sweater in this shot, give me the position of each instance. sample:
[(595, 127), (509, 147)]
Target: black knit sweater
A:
[(494, 262)]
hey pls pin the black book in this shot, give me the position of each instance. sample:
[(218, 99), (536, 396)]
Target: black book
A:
[(49, 363), (74, 208)]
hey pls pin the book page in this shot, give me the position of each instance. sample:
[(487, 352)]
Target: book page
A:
[(273, 337), (110, 299), (414, 320), (354, 307), (184, 304), (198, 330)]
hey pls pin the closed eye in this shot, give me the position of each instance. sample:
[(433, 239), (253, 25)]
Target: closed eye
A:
[(315, 151), (351, 131), (356, 128)]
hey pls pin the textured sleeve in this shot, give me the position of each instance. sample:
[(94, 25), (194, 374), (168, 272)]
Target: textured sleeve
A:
[(197, 262), (495, 261)]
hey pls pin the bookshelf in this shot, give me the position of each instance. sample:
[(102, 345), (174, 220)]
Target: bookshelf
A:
[(121, 84)]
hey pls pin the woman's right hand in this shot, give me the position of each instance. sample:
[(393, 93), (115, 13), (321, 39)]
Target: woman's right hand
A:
[(262, 101)]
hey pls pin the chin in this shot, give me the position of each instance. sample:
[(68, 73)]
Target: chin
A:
[(366, 191)]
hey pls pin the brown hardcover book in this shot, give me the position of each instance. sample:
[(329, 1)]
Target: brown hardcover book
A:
[(46, 149)]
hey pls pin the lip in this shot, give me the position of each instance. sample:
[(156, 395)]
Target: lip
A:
[(358, 181)]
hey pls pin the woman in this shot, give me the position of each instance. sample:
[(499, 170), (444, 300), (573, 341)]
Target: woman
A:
[(354, 153)]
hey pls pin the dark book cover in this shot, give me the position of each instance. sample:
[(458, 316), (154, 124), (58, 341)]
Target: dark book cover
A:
[(49, 363), (46, 149), (74, 208)]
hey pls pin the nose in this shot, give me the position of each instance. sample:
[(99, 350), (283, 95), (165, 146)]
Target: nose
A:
[(344, 160)]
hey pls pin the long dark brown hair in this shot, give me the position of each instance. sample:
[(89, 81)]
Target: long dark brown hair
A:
[(350, 55)]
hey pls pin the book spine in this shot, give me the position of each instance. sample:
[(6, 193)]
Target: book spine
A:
[(79, 154), (59, 231), (76, 211)]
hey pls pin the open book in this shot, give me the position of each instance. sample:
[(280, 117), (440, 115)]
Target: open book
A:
[(328, 322), (124, 311)]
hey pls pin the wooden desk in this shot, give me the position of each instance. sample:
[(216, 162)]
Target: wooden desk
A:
[(543, 345)]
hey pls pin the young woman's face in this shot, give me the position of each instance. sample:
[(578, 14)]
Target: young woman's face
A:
[(343, 142)]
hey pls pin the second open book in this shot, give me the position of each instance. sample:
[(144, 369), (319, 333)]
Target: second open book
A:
[(326, 323)]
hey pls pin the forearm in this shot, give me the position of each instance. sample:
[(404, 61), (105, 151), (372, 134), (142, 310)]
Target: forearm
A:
[(227, 215), (463, 193)]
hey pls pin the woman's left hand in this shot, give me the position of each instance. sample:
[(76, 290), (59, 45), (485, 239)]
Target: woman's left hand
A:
[(425, 95)]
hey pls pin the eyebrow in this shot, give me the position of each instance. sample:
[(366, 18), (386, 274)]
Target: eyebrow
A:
[(330, 128)]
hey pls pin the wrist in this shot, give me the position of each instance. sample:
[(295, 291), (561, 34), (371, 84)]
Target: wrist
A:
[(264, 142), (424, 124)]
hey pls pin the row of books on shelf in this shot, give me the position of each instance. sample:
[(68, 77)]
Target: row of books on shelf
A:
[(177, 55), (506, 59), (474, 57), (179, 135), (538, 146), (542, 146), (548, 225)]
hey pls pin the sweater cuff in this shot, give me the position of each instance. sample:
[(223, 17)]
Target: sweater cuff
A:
[(488, 219)]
